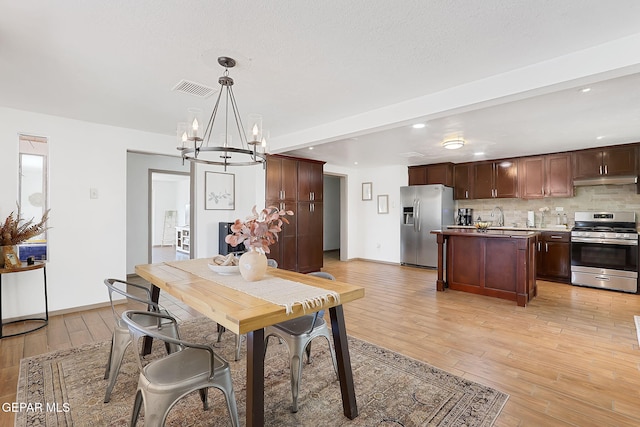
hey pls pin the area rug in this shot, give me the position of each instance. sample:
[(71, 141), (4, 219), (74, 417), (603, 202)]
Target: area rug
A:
[(66, 388)]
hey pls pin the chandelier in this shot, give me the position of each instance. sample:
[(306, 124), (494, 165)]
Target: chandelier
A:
[(195, 142)]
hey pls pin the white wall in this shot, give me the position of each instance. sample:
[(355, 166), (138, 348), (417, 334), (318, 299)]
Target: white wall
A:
[(370, 235), (249, 191), (87, 241)]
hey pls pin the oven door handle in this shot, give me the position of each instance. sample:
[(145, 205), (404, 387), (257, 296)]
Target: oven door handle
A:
[(605, 241), (606, 278)]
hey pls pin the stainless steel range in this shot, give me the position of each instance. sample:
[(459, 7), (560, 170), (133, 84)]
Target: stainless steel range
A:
[(604, 250)]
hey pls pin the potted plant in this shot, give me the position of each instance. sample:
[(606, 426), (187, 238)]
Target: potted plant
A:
[(15, 230), (257, 232)]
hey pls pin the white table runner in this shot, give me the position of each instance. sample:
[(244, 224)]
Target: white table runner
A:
[(283, 292)]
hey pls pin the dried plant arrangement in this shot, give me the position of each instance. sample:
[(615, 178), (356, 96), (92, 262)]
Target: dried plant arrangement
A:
[(15, 230)]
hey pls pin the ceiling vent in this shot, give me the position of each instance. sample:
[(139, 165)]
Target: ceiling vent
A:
[(193, 88)]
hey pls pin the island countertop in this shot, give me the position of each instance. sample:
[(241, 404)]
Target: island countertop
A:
[(514, 234)]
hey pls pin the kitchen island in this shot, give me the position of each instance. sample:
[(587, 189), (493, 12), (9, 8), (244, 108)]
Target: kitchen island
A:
[(496, 263)]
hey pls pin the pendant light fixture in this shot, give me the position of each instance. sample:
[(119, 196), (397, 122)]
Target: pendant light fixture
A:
[(194, 138)]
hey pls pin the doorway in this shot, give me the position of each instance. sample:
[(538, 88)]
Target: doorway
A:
[(335, 219), (169, 216)]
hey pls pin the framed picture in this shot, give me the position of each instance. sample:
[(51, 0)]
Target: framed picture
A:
[(383, 204), (219, 191), (367, 192), (10, 258)]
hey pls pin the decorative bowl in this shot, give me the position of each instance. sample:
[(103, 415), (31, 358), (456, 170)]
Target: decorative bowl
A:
[(224, 269), (482, 226)]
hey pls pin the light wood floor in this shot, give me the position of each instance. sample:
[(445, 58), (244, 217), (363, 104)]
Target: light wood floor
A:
[(570, 358)]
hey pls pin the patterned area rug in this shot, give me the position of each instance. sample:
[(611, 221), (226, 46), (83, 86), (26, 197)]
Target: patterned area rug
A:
[(66, 388)]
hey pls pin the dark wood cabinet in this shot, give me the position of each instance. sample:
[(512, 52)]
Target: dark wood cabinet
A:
[(310, 229), (297, 185), (286, 249), (310, 181), (500, 266), (553, 253), (601, 162), (545, 176), (462, 179), (440, 173), (417, 175), (281, 179), (495, 179)]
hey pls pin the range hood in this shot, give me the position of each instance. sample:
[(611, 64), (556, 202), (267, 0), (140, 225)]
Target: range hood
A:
[(610, 180)]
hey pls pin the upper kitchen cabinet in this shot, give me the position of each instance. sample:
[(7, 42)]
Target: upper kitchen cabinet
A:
[(417, 175), (497, 179), (462, 179), (310, 181), (545, 176), (603, 162), (281, 179), (441, 173)]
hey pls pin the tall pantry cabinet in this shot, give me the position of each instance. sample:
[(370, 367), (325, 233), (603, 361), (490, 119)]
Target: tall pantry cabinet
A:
[(297, 185)]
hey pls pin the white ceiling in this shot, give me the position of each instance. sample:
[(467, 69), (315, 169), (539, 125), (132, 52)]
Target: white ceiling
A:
[(349, 75)]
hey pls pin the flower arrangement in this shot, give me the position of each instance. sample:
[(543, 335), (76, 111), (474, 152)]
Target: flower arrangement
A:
[(15, 230), (260, 229)]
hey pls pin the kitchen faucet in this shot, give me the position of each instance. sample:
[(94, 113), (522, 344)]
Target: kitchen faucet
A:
[(500, 217)]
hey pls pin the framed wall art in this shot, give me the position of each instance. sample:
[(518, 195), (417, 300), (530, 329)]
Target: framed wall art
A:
[(367, 191), (383, 204), (219, 191)]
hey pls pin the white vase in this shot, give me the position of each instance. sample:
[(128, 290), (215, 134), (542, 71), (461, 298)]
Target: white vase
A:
[(253, 265)]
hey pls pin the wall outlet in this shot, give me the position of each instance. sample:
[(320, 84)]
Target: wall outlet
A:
[(559, 209), (93, 193)]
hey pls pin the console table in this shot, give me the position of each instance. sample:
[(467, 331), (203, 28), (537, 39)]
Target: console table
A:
[(41, 322)]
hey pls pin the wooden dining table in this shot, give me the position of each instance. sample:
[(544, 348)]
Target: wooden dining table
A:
[(192, 282)]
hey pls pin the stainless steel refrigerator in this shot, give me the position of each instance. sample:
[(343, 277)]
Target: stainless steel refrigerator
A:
[(423, 208)]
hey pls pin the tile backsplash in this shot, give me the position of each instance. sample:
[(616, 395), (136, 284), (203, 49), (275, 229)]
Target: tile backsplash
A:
[(589, 198)]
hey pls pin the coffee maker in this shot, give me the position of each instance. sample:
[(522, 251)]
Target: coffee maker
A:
[(465, 216)]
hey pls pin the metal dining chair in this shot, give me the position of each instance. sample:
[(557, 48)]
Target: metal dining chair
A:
[(239, 338), (164, 381), (298, 334), (120, 339)]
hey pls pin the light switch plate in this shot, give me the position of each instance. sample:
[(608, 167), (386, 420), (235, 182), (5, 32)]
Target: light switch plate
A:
[(93, 193)]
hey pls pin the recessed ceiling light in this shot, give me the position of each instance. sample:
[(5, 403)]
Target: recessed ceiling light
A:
[(419, 125), (355, 163), (479, 153), (310, 148), (585, 89), (599, 137)]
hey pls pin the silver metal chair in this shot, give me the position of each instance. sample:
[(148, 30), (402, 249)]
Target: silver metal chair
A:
[(121, 338), (298, 334), (164, 381), (239, 338)]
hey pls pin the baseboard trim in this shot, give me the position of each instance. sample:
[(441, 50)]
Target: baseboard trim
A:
[(377, 261), (63, 311)]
